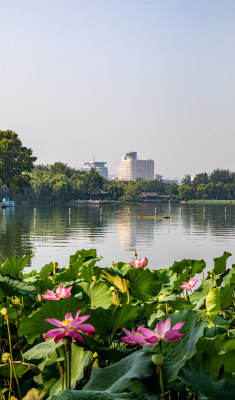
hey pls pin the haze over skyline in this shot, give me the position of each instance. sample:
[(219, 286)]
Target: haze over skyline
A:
[(83, 78)]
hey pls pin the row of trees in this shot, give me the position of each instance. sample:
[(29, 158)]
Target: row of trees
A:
[(20, 179), (220, 185), (58, 182)]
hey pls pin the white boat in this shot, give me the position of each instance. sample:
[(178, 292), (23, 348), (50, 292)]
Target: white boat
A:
[(6, 202)]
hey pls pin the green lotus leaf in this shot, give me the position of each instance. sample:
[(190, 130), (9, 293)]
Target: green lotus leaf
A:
[(177, 353), (229, 279), (200, 294), (14, 265), (43, 284), (44, 272), (144, 284), (99, 294), (226, 294), (117, 377), (42, 350), (93, 395), (21, 368), (206, 388), (69, 273), (82, 255), (107, 321), (14, 287), (167, 278), (213, 302), (220, 263), (89, 273)]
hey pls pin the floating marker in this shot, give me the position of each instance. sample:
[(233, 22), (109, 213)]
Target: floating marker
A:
[(35, 212), (155, 211), (101, 213), (128, 211), (69, 211)]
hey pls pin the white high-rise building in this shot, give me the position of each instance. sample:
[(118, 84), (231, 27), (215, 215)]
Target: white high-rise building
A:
[(132, 168)]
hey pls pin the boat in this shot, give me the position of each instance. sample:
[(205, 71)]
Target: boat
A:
[(6, 202), (154, 216)]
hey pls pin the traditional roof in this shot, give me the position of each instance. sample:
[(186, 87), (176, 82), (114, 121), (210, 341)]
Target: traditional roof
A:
[(98, 191)]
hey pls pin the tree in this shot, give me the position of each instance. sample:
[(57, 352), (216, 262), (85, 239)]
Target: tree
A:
[(186, 180), (221, 175), (16, 161), (61, 168), (201, 178), (92, 180)]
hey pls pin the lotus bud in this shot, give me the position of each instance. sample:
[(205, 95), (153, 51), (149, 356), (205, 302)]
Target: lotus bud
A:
[(161, 297), (3, 311), (6, 357), (39, 297), (135, 254), (112, 263), (157, 359)]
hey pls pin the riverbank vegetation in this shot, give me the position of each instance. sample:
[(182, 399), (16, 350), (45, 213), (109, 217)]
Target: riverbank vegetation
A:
[(121, 332), (61, 183)]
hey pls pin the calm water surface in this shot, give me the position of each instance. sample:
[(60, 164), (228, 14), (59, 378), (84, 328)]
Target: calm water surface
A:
[(53, 236)]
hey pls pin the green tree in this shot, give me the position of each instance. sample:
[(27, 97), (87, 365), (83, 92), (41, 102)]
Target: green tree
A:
[(16, 161), (93, 180), (61, 168), (201, 178), (221, 175), (186, 180), (186, 192)]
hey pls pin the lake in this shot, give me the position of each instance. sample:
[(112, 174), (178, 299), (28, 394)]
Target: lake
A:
[(193, 231)]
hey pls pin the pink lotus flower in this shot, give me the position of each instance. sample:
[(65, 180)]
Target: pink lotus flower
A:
[(139, 263), (190, 284), (132, 337), (162, 332), (69, 327), (60, 293)]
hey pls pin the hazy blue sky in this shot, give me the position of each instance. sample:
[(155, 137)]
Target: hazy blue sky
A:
[(84, 78)]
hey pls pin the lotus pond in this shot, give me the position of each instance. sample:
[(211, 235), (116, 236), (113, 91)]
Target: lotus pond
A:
[(122, 332)]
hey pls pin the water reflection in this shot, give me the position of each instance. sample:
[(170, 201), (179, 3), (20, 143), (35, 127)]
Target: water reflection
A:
[(193, 231)]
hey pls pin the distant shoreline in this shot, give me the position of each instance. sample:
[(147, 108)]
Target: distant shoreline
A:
[(208, 202)]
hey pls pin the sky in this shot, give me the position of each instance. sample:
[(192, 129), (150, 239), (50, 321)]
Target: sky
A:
[(85, 79)]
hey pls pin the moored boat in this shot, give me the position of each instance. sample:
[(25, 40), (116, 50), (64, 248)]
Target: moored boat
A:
[(6, 202)]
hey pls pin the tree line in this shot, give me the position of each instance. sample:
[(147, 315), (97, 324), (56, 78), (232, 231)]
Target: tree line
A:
[(22, 180), (59, 183)]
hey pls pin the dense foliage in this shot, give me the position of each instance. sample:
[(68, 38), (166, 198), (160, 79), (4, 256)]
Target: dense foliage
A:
[(59, 183), (197, 362), (16, 162)]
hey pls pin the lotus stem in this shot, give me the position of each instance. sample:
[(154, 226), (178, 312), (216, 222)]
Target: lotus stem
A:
[(70, 364), (166, 308), (161, 374), (68, 360), (10, 383), (12, 360), (66, 370), (128, 297), (227, 326)]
